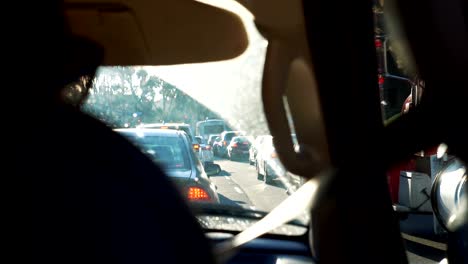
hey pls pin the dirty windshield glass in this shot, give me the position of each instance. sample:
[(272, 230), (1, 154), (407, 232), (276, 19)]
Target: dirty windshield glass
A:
[(217, 99)]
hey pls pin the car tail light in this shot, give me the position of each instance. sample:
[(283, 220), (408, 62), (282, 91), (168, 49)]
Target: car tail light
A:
[(224, 143), (196, 147), (234, 145), (378, 43), (198, 194), (274, 155), (208, 147), (381, 79)]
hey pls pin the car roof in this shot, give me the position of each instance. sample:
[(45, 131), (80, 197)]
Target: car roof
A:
[(240, 137), (166, 124), (231, 131), (211, 120), (151, 132)]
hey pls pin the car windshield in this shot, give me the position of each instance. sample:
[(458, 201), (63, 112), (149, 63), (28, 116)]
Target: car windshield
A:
[(214, 129), (225, 91), (228, 137)]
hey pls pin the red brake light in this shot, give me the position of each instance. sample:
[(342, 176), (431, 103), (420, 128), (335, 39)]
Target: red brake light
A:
[(164, 127), (274, 155), (378, 43), (381, 79), (208, 147), (198, 194), (224, 143), (234, 145)]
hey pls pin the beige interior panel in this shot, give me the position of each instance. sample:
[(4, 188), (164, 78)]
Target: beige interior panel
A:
[(98, 26), (158, 32), (305, 107), (289, 72)]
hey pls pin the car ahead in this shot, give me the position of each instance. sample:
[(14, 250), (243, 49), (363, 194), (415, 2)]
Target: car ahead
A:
[(216, 146), (267, 163), (225, 139), (205, 152), (177, 126), (269, 166), (212, 139), (253, 150), (171, 150), (238, 148)]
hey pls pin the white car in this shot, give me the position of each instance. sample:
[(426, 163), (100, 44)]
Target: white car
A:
[(254, 149), (267, 163), (269, 167), (205, 152)]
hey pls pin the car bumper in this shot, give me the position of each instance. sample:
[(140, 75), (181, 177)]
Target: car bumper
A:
[(240, 152)]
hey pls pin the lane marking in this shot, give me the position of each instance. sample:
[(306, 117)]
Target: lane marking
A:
[(426, 242), (238, 189), (227, 178)]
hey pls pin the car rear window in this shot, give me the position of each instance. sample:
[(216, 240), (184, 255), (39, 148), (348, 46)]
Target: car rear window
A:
[(228, 137), (168, 152), (241, 140)]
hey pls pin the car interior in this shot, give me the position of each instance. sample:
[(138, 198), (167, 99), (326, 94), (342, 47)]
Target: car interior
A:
[(95, 198)]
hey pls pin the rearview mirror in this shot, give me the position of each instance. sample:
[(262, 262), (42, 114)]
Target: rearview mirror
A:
[(157, 32), (212, 169)]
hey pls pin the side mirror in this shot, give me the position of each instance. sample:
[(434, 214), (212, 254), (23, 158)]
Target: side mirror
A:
[(449, 196), (212, 169)]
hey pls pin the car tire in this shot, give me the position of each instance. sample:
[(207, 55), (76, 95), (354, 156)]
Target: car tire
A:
[(259, 176), (266, 178)]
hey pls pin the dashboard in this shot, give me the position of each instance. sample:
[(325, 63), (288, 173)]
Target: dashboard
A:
[(272, 249)]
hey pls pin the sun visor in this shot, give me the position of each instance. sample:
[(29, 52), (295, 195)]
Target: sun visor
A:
[(158, 32)]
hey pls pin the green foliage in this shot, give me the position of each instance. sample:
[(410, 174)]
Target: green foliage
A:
[(120, 92)]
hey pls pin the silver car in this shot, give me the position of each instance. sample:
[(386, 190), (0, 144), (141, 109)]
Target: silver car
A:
[(269, 167), (171, 150), (254, 149)]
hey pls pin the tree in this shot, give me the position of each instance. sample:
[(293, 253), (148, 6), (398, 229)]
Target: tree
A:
[(120, 92)]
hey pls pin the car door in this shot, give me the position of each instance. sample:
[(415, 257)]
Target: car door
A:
[(256, 146)]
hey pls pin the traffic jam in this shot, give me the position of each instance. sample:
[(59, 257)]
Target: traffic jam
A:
[(216, 165)]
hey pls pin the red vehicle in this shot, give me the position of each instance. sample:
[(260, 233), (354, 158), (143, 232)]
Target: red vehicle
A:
[(410, 181)]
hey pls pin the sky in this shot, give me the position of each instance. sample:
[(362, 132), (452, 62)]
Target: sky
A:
[(232, 87)]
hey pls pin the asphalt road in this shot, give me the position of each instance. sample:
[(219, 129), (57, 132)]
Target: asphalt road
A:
[(238, 185)]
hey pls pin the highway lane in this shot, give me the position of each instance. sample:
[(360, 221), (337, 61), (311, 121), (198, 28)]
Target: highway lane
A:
[(238, 185)]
